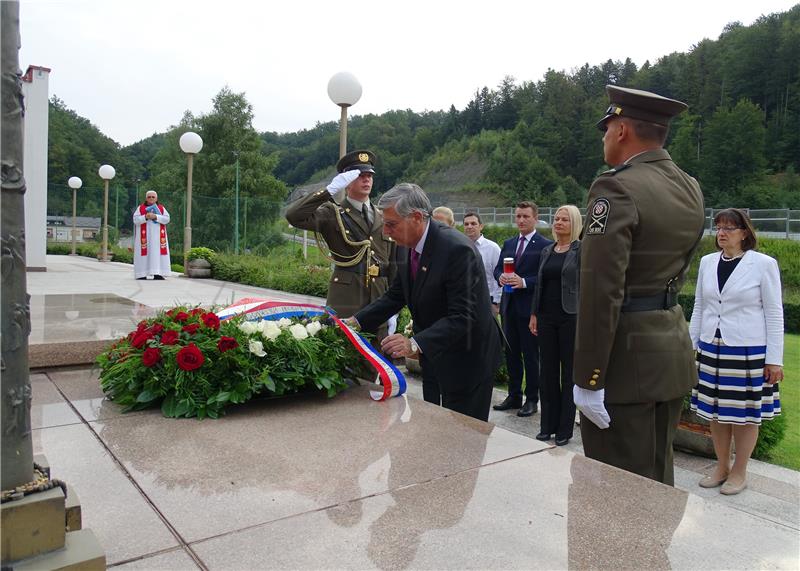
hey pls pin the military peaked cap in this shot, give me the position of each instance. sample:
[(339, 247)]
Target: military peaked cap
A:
[(361, 160), (642, 105)]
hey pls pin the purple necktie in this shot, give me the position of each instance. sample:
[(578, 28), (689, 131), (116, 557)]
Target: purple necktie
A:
[(520, 248), (414, 263)]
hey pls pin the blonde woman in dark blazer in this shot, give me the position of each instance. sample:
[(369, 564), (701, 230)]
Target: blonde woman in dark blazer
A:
[(737, 330), (553, 320)]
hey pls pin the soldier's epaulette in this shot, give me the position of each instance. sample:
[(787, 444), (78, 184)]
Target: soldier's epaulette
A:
[(615, 170)]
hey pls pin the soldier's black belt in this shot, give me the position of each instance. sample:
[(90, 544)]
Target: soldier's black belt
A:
[(649, 303), (359, 269)]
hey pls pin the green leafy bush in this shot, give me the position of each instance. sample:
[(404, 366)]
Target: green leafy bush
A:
[(769, 436), (191, 364), (201, 253)]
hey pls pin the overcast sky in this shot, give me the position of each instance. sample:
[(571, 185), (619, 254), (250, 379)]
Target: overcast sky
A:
[(132, 67)]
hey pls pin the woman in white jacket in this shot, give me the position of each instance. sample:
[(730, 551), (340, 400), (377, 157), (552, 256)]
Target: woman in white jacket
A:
[(737, 330)]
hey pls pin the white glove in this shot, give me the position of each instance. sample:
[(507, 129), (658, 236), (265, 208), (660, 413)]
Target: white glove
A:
[(343, 180), (590, 403)]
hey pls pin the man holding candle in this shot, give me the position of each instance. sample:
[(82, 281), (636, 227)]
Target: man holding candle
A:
[(522, 351)]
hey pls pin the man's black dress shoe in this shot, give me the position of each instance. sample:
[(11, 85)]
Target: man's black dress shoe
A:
[(509, 403), (561, 441), (527, 409), (543, 436)]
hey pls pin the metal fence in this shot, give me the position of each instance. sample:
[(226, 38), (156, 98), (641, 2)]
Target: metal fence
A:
[(776, 223)]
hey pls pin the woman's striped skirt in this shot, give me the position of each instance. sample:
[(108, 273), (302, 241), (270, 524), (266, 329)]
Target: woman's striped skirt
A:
[(732, 388)]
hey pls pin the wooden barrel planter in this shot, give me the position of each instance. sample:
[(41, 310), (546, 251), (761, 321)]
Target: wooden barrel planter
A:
[(198, 268)]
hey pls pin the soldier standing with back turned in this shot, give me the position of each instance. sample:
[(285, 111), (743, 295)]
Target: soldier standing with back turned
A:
[(633, 359), (352, 230)]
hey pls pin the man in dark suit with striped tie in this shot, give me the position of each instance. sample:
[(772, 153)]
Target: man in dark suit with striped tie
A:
[(522, 351)]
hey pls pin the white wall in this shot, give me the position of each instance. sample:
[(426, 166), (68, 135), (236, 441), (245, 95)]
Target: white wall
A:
[(36, 93)]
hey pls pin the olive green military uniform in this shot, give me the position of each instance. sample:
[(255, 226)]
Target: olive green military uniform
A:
[(351, 288), (642, 224)]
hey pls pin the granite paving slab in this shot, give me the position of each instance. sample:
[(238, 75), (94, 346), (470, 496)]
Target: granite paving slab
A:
[(551, 510), (275, 458), (121, 518)]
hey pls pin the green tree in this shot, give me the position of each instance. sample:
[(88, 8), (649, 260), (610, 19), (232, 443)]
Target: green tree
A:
[(733, 154)]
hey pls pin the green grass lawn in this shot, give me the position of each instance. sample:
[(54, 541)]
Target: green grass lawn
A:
[(787, 453)]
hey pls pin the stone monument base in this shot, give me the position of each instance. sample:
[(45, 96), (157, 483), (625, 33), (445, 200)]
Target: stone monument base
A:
[(43, 531)]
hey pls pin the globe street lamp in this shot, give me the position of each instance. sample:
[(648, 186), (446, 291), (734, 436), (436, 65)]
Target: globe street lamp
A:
[(344, 90), (190, 143), (74, 183), (106, 172)]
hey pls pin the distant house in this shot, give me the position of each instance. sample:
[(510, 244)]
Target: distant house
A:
[(59, 228)]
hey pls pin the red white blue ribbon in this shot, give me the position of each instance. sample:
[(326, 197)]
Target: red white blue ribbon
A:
[(393, 381)]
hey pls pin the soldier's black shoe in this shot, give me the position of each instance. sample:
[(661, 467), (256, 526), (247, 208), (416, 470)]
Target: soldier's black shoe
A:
[(509, 403), (561, 441), (527, 409), (544, 436)]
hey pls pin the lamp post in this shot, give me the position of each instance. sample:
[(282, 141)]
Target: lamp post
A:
[(344, 90), (190, 143), (74, 183), (236, 233), (106, 172)]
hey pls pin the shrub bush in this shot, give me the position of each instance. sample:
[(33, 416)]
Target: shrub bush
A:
[(769, 436), (201, 253)]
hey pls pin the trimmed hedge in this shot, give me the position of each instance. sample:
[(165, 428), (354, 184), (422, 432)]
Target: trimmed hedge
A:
[(90, 250), (272, 272)]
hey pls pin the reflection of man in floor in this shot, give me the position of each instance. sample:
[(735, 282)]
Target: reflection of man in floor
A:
[(609, 524), (396, 535)]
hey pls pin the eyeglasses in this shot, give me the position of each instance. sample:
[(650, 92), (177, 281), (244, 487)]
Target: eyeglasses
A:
[(726, 229)]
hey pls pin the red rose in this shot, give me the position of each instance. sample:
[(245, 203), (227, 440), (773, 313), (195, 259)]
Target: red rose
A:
[(169, 337), (156, 328), (181, 316), (151, 356), (141, 326), (170, 313), (211, 321), (226, 344), (140, 338), (190, 358), (192, 328), (198, 310)]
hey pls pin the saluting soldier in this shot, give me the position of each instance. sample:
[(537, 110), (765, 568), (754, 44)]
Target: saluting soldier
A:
[(352, 230), (633, 359)]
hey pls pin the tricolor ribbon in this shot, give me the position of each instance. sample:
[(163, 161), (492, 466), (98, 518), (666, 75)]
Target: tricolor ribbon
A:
[(393, 381)]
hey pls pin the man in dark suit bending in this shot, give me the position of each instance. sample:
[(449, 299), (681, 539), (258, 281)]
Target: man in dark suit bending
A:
[(441, 280), (515, 309)]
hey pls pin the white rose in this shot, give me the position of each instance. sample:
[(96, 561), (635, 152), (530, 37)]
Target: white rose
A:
[(284, 322), (248, 327), (298, 331), (271, 331), (257, 348), (313, 328)]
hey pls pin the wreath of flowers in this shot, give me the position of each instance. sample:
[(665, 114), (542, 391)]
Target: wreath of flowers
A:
[(191, 364)]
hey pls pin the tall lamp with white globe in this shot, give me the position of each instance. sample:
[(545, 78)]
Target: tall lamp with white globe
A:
[(106, 172), (191, 144), (74, 183), (345, 91)]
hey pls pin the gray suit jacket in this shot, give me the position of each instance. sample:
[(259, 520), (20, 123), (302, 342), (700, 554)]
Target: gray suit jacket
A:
[(570, 279)]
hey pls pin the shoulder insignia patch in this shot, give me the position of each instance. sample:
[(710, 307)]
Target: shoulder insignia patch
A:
[(598, 217)]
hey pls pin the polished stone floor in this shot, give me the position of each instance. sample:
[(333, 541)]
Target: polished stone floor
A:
[(309, 482), (312, 483)]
